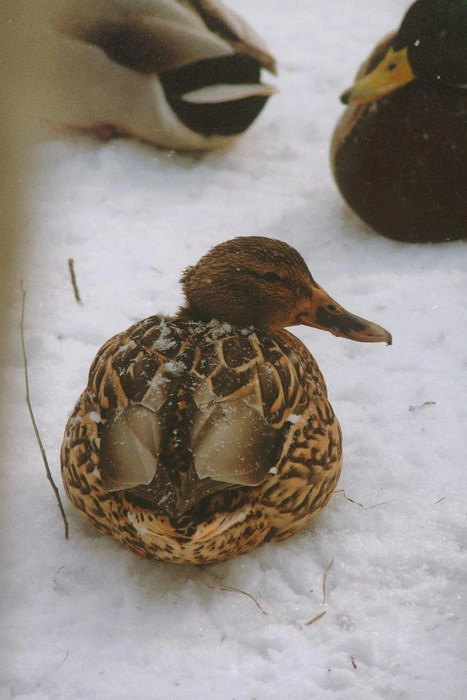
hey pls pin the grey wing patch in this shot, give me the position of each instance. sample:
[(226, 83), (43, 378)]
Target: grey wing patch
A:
[(145, 37), (155, 35), (130, 447), (131, 440), (232, 443), (154, 47)]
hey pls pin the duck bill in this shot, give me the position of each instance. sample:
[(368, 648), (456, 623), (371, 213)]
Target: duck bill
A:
[(328, 315), (390, 74)]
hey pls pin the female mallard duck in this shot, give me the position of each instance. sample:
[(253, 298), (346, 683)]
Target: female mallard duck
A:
[(200, 436), (399, 153), (184, 74)]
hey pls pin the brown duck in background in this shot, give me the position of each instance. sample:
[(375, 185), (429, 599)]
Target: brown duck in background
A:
[(183, 74), (399, 152), (202, 435)]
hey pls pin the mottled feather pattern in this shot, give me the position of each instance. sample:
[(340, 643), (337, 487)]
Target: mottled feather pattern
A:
[(188, 372)]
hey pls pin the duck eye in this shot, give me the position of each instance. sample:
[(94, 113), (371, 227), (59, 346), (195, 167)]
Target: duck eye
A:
[(391, 66), (331, 307), (272, 277)]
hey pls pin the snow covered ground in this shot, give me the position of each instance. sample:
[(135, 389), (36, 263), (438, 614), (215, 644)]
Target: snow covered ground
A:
[(86, 619)]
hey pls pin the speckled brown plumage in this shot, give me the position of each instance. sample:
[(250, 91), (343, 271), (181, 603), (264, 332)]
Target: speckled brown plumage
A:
[(197, 440)]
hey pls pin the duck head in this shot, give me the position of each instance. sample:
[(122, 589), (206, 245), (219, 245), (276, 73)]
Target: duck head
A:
[(431, 46), (265, 283)]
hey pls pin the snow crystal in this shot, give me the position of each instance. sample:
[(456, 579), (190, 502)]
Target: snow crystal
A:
[(137, 524), (94, 415), (175, 367), (293, 418), (222, 330), (158, 380), (165, 341)]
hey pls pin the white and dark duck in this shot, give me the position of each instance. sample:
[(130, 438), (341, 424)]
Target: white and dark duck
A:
[(182, 74)]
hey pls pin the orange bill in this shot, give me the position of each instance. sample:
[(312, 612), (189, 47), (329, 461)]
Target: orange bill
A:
[(325, 313)]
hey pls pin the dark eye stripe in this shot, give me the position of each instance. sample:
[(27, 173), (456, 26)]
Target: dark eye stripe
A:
[(290, 282)]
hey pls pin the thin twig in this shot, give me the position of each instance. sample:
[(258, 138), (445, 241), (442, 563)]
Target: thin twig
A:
[(439, 500), (62, 662), (55, 580), (223, 587), (422, 405), (315, 619), (71, 267), (325, 578), (376, 505), (33, 420)]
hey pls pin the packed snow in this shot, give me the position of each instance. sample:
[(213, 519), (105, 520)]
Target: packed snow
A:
[(84, 618)]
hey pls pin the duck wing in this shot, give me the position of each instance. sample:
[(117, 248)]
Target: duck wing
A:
[(193, 410), (238, 33), (238, 431), (156, 36)]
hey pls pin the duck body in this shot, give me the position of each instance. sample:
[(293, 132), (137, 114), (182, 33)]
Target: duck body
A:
[(245, 411), (182, 74), (399, 151), (195, 440)]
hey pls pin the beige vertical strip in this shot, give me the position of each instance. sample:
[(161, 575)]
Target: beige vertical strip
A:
[(21, 89), (10, 75)]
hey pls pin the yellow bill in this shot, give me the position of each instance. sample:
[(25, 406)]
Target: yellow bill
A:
[(390, 74)]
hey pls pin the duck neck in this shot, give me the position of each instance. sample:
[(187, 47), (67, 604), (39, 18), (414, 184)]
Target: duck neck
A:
[(190, 312)]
